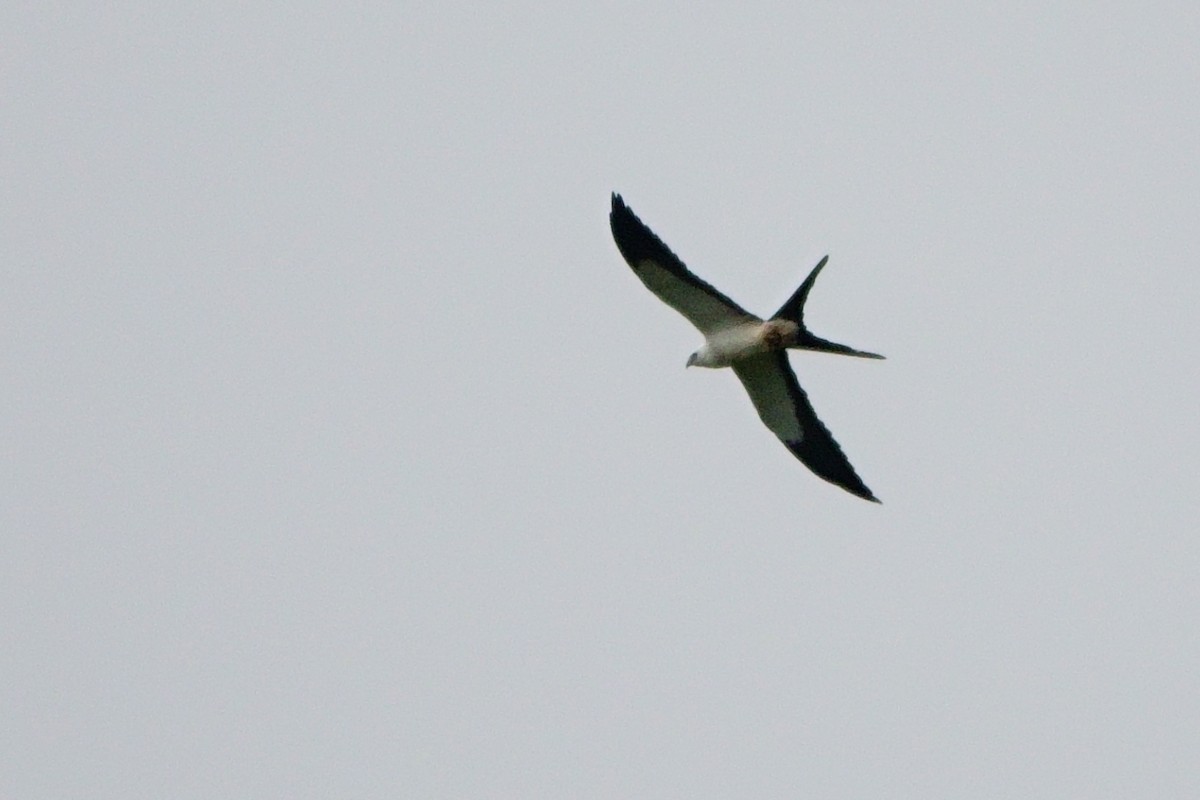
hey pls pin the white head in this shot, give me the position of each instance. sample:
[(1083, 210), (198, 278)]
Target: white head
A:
[(704, 357)]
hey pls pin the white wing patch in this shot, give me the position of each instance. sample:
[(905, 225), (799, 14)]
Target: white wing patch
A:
[(703, 309), (768, 388)]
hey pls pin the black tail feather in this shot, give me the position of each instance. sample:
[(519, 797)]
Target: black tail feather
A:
[(793, 309)]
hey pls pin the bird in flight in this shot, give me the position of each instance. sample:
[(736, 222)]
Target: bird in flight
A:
[(754, 348)]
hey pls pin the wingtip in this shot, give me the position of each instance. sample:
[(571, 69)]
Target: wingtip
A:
[(862, 491), (619, 211), (859, 489), (635, 241)]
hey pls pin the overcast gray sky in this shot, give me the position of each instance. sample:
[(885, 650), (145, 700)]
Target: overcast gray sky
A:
[(345, 457)]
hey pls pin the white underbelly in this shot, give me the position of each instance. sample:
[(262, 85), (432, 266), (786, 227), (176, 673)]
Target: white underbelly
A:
[(724, 347), (732, 344)]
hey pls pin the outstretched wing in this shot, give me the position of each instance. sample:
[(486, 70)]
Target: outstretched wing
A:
[(784, 408), (666, 276)]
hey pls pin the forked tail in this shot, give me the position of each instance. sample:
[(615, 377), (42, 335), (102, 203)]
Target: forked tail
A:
[(793, 311)]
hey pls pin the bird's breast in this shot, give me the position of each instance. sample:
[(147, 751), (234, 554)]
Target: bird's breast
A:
[(726, 346)]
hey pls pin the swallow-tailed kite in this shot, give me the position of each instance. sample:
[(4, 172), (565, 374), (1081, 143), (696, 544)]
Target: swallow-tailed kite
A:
[(754, 348)]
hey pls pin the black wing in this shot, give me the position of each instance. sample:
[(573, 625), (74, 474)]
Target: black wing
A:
[(664, 274), (784, 409)]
